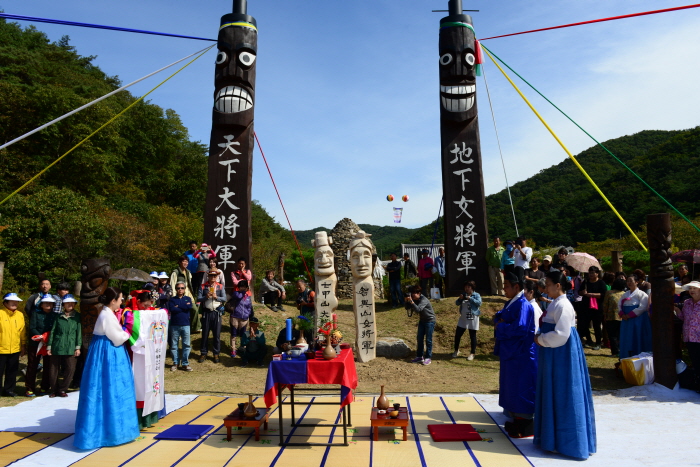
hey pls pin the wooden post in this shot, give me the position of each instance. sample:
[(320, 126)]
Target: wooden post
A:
[(466, 231), (617, 261), (227, 221), (2, 273), (662, 286), (280, 263)]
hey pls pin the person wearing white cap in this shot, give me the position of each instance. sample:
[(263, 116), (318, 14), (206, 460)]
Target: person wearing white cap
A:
[(165, 290), (40, 324), (690, 314), (64, 343), (154, 284), (13, 339)]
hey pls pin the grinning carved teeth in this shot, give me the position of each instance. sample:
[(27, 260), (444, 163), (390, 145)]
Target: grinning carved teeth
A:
[(232, 99), (457, 105)]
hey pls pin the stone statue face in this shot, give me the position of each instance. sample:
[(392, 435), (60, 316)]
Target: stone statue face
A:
[(323, 259), (457, 74), (361, 262)]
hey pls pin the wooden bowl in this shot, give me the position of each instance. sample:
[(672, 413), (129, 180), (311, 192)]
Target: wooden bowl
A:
[(394, 413)]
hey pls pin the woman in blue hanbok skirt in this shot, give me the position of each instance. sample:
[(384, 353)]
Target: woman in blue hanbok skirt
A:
[(107, 404), (564, 416), (635, 329)]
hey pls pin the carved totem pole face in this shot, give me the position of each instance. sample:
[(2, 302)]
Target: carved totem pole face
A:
[(457, 73), (323, 257), (234, 81)]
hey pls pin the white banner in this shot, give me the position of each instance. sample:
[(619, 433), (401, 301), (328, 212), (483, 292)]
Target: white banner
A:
[(149, 359)]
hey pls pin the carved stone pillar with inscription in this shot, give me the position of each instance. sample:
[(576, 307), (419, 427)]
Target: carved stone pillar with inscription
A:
[(363, 297), (326, 280), (466, 232), (227, 210), (663, 289)]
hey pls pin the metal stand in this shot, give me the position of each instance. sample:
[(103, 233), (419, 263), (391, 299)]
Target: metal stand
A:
[(347, 417)]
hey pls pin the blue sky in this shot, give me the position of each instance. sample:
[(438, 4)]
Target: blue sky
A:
[(347, 103)]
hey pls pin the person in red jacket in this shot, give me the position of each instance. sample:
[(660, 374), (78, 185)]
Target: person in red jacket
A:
[(425, 273)]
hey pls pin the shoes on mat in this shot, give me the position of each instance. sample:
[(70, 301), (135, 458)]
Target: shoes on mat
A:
[(417, 360), (455, 354), (427, 361), (51, 396), (521, 428), (62, 394), (29, 393)]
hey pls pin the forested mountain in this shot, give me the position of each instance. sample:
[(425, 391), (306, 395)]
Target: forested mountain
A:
[(559, 206)]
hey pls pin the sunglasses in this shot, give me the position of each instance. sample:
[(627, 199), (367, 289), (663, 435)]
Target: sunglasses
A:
[(179, 288)]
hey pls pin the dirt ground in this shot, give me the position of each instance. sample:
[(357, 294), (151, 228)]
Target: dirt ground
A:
[(444, 375)]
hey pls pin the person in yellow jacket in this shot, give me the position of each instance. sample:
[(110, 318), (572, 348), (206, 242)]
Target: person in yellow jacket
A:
[(13, 339)]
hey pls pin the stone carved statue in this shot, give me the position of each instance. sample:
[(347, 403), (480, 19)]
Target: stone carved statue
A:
[(326, 279), (360, 249), (95, 279)]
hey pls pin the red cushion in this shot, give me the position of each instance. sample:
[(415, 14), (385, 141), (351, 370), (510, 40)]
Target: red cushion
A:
[(453, 432)]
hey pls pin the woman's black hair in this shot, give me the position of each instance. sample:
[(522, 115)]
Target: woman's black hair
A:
[(563, 251), (516, 277), (415, 289), (558, 278), (530, 286), (595, 269), (111, 294), (619, 284), (183, 258), (242, 259), (633, 277), (243, 283), (143, 296), (572, 271)]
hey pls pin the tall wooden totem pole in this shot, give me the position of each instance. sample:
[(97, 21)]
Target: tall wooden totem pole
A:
[(466, 232), (227, 212)]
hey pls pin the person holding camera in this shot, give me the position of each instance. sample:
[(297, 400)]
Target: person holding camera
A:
[(523, 253), (469, 303), (417, 302), (211, 297)]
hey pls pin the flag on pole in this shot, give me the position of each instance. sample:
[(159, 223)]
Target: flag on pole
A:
[(397, 215)]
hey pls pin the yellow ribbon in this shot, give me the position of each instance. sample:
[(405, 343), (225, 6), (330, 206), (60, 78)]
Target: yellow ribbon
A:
[(585, 174)]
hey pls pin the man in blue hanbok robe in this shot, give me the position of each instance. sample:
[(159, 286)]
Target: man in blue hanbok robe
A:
[(515, 332)]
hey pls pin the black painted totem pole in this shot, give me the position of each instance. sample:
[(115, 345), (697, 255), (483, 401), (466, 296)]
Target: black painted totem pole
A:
[(227, 212), (466, 232)]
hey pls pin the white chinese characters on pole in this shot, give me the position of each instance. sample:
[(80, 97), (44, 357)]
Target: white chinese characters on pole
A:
[(326, 279), (363, 296)]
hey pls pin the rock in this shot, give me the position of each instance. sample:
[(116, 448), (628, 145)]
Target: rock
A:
[(392, 347)]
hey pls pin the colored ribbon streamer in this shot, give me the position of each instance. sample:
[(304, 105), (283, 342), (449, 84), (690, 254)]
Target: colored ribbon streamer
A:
[(668, 203), (97, 26), (100, 128), (89, 104), (571, 156), (600, 20)]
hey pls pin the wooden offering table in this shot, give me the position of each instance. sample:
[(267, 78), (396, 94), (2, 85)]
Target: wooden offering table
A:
[(378, 419), (236, 418)]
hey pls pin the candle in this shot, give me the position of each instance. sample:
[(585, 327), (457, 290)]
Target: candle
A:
[(334, 318), (289, 329)]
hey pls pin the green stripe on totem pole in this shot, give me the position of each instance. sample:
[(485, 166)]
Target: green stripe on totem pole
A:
[(136, 329), (597, 142), (457, 24)]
